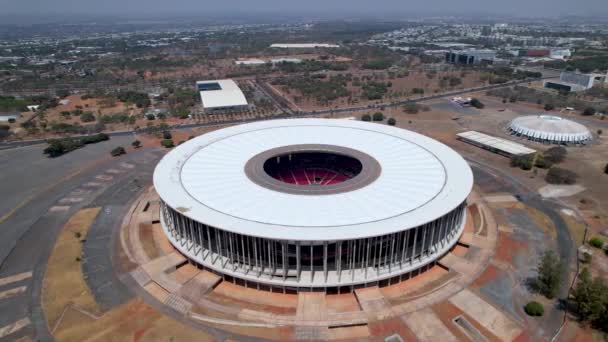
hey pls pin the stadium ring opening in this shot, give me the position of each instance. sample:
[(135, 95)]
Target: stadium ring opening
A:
[(313, 204)]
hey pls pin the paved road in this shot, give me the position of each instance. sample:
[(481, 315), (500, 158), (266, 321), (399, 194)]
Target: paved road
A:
[(564, 246), (28, 234)]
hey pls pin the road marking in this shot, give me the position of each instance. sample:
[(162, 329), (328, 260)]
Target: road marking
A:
[(127, 165), (71, 200), (15, 278), (14, 327), (56, 208), (114, 171), (104, 177), (12, 292), (92, 184)]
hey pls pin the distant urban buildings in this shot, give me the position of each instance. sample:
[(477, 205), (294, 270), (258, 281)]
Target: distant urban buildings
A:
[(468, 57), (574, 81)]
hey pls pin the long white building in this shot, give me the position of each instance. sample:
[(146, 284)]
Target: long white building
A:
[(313, 203)]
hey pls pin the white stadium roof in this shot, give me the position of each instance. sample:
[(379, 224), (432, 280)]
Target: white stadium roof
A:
[(223, 93), (503, 145), (420, 180), (550, 128)]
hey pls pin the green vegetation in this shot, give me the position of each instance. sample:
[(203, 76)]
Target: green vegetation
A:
[(167, 135), (589, 111), (606, 169), (555, 154), (10, 103), (523, 162), (590, 300), (558, 175), (140, 100), (58, 147), (92, 139), (391, 121), (450, 81), (476, 103), (87, 117), (378, 116), (375, 90), (136, 144), (380, 64), (590, 64), (534, 309), (311, 66), (550, 275), (530, 95), (4, 131), (549, 106), (117, 118), (118, 151), (313, 87), (411, 108), (366, 117), (167, 143), (418, 91), (596, 242), (541, 162)]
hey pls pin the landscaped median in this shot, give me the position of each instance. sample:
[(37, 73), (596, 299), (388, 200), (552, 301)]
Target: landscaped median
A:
[(70, 308), (64, 284)]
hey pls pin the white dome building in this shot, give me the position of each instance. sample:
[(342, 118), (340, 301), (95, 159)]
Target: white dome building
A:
[(313, 203), (550, 129)]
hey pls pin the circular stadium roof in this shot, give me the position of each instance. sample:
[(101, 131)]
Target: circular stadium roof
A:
[(551, 128), (415, 180)]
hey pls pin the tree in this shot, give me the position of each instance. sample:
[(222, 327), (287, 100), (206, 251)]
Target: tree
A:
[(476, 103), (558, 176), (378, 116), (11, 120), (606, 169), (523, 162), (366, 117), (590, 297), (391, 122), (589, 111), (167, 135), (555, 154), (136, 144), (549, 106), (118, 151), (150, 117), (411, 108), (87, 117), (550, 270)]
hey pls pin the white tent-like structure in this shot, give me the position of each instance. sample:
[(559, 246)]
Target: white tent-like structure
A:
[(550, 129)]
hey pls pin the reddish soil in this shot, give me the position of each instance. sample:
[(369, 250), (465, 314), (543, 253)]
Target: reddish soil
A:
[(506, 247), (488, 274)]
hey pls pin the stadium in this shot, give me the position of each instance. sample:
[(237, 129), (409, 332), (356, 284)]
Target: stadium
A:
[(550, 129), (313, 204)]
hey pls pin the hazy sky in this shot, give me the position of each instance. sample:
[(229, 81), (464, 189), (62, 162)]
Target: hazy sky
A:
[(137, 8)]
